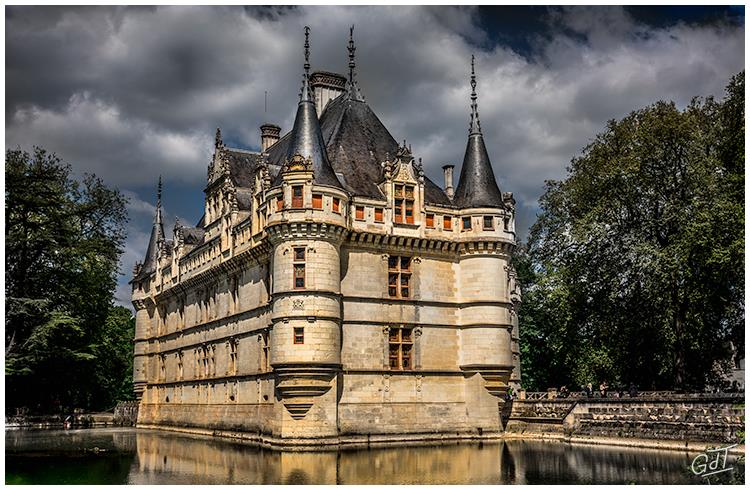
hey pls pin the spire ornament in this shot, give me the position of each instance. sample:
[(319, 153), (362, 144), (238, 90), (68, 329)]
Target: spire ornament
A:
[(218, 142), (306, 93), (306, 143), (354, 93), (474, 126), (158, 195), (477, 186)]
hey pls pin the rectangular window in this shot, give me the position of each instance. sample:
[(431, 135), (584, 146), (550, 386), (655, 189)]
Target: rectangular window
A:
[(447, 222), (299, 268), (430, 220), (359, 212), (265, 365), (336, 205), (299, 335), (378, 215), (409, 211), (403, 203), (233, 356), (280, 203), (506, 223), (317, 201), (399, 276), (488, 223), (400, 348), (466, 223), (299, 276), (180, 371), (297, 196)]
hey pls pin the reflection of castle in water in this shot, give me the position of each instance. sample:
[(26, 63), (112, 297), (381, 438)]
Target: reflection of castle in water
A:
[(169, 458)]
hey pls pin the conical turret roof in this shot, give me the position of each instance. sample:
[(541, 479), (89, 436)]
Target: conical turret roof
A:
[(157, 236), (477, 187), (306, 139)]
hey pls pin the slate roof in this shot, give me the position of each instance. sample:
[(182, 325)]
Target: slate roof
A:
[(306, 140), (152, 251), (242, 166), (244, 198), (192, 236), (357, 142), (477, 187)]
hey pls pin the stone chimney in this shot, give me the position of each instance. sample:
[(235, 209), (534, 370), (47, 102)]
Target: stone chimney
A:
[(448, 175), (326, 87), (269, 134)]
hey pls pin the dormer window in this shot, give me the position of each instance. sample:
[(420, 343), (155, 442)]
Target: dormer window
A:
[(403, 203), (297, 196)]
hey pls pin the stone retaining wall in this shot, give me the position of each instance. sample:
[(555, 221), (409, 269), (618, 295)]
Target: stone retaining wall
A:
[(694, 418)]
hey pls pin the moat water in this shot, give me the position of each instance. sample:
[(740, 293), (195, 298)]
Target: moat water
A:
[(133, 456)]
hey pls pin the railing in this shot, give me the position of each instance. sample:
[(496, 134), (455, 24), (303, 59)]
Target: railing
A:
[(613, 394)]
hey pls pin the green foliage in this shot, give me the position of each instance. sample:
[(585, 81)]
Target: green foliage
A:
[(634, 270), (65, 343)]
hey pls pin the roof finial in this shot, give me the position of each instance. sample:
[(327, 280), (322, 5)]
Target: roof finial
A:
[(307, 50), (305, 94), (158, 194), (474, 127), (218, 142), (354, 93)]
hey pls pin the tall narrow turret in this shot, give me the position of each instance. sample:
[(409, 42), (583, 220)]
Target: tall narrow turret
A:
[(157, 236), (306, 139), (477, 187)]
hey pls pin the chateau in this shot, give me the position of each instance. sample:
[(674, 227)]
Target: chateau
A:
[(332, 293)]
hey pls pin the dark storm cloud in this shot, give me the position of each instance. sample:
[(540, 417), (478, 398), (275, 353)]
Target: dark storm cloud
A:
[(129, 93)]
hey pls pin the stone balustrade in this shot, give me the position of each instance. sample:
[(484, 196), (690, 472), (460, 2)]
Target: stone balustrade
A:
[(690, 417)]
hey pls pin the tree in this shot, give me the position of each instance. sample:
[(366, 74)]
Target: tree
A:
[(636, 261), (63, 241)]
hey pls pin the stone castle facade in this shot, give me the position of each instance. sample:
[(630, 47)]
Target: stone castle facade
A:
[(331, 292)]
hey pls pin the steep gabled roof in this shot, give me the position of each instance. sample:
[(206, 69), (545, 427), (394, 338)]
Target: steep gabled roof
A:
[(192, 236), (357, 142), (242, 165)]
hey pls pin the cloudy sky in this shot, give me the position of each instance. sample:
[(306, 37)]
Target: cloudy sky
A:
[(131, 93)]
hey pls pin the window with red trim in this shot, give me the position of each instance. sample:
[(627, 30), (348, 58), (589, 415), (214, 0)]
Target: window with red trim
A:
[(399, 276), (297, 201), (430, 220)]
